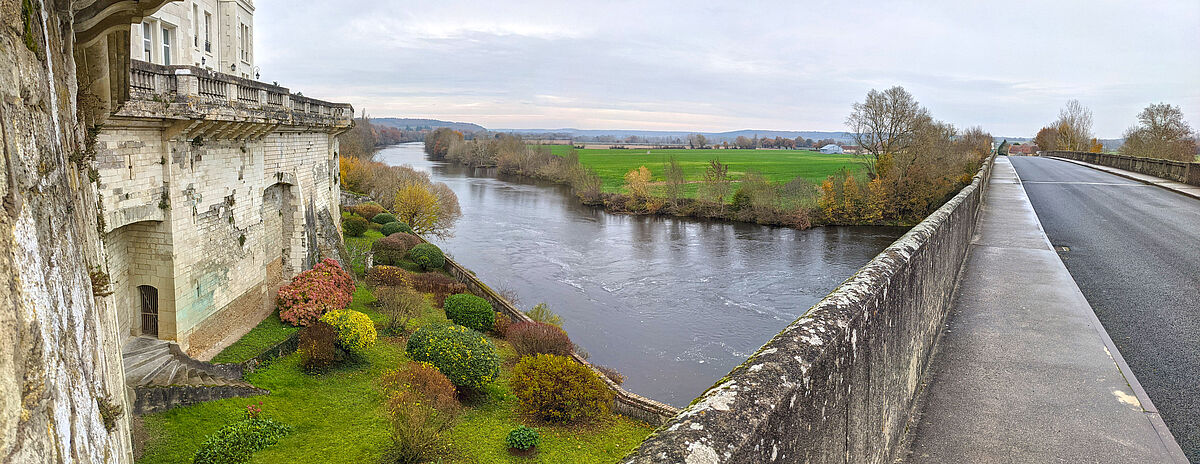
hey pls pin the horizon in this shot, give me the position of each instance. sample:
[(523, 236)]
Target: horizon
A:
[(690, 68)]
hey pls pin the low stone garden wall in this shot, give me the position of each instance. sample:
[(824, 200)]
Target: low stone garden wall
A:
[(837, 385)]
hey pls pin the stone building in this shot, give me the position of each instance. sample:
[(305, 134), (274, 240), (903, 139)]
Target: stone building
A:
[(215, 188)]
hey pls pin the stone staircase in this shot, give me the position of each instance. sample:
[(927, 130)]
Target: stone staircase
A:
[(163, 376)]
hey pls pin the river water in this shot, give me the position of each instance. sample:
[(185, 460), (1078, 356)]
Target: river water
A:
[(674, 304)]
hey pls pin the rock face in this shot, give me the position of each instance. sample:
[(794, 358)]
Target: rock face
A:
[(60, 360)]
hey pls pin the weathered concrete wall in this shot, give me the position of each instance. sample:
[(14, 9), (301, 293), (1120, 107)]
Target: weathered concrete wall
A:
[(838, 384), (60, 353), (1188, 173)]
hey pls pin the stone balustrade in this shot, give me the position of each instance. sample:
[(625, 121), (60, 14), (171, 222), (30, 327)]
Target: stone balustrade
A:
[(189, 92)]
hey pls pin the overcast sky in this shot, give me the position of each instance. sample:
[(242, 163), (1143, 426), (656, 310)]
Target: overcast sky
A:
[(788, 65)]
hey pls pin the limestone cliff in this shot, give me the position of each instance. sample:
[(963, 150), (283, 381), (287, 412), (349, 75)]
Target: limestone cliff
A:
[(59, 363)]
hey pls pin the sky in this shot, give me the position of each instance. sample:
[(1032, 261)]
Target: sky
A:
[(717, 66)]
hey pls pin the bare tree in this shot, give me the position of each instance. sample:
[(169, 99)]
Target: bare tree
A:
[(885, 124), (697, 141), (716, 182), (1161, 133), (1074, 127), (675, 180)]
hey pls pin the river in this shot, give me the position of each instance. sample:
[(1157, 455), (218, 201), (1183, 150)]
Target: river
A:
[(672, 303)]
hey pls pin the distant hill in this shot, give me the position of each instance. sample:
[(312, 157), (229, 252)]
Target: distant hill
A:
[(841, 137), (417, 124)]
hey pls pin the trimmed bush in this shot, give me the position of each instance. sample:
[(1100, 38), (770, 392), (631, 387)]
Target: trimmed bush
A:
[(354, 226), (356, 331), (470, 311), (556, 388), (425, 380), (427, 256), (394, 227), (418, 430), (383, 218), (530, 338), (235, 442), (522, 438), (367, 210), (312, 293), (465, 356), (392, 249), (542, 313), (501, 325), (389, 275), (440, 285), (318, 347)]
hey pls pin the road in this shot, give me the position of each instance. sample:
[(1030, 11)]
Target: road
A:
[(1134, 250)]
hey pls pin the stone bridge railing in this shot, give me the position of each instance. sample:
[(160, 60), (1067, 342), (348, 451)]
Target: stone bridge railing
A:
[(189, 92), (1179, 171), (839, 384)]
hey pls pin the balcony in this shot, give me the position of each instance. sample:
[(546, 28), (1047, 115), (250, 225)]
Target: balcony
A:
[(189, 93)]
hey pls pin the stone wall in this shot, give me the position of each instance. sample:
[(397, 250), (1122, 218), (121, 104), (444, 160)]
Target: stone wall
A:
[(838, 384), (1188, 173), (61, 358)]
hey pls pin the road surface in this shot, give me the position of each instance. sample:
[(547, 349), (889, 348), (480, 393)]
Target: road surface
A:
[(1134, 250)]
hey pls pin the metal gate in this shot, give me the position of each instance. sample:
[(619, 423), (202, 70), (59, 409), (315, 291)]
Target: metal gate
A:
[(149, 310)]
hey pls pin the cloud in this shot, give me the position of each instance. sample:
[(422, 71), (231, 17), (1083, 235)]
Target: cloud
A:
[(771, 65)]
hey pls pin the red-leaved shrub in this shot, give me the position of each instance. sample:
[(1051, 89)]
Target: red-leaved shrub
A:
[(318, 347), (440, 285), (314, 292), (530, 338)]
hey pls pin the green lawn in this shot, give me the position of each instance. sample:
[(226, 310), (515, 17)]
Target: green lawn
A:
[(775, 165), (268, 333), (338, 416)]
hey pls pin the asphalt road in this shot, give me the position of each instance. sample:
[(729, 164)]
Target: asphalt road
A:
[(1134, 250)]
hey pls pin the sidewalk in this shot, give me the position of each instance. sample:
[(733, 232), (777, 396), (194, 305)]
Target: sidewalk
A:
[(1178, 187), (1024, 371)]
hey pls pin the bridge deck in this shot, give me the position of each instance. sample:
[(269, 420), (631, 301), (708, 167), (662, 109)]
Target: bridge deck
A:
[(1025, 372)]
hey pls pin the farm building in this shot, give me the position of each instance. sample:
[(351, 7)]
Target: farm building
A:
[(831, 149)]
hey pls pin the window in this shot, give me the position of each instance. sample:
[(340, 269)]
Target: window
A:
[(245, 37), (207, 32), (195, 26), (147, 44), (166, 41)]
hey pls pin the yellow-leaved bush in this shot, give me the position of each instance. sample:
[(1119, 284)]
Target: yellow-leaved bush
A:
[(356, 331)]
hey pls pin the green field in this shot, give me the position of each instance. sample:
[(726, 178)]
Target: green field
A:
[(775, 165)]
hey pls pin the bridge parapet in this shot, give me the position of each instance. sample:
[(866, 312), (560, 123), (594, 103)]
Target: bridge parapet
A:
[(1179, 171), (839, 383)]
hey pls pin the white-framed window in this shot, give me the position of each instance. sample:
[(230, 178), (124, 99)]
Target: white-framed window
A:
[(245, 33), (166, 45), (207, 31), (195, 26), (147, 42)]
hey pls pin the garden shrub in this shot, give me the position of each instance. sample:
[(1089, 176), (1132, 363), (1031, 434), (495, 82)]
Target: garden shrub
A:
[(367, 210), (522, 438), (392, 249), (426, 381), (530, 338), (440, 285), (237, 441), (614, 375), (470, 311), (556, 388), (394, 227), (354, 226), (418, 430), (400, 304), (356, 331), (383, 218), (318, 347), (389, 275), (465, 356), (542, 313), (501, 325), (427, 256), (312, 293)]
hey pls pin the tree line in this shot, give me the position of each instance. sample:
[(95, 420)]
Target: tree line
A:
[(1161, 132)]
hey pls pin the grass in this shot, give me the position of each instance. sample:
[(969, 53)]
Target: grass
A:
[(775, 165), (266, 334), (338, 416)]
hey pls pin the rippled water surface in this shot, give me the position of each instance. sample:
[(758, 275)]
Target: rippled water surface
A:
[(674, 304)]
